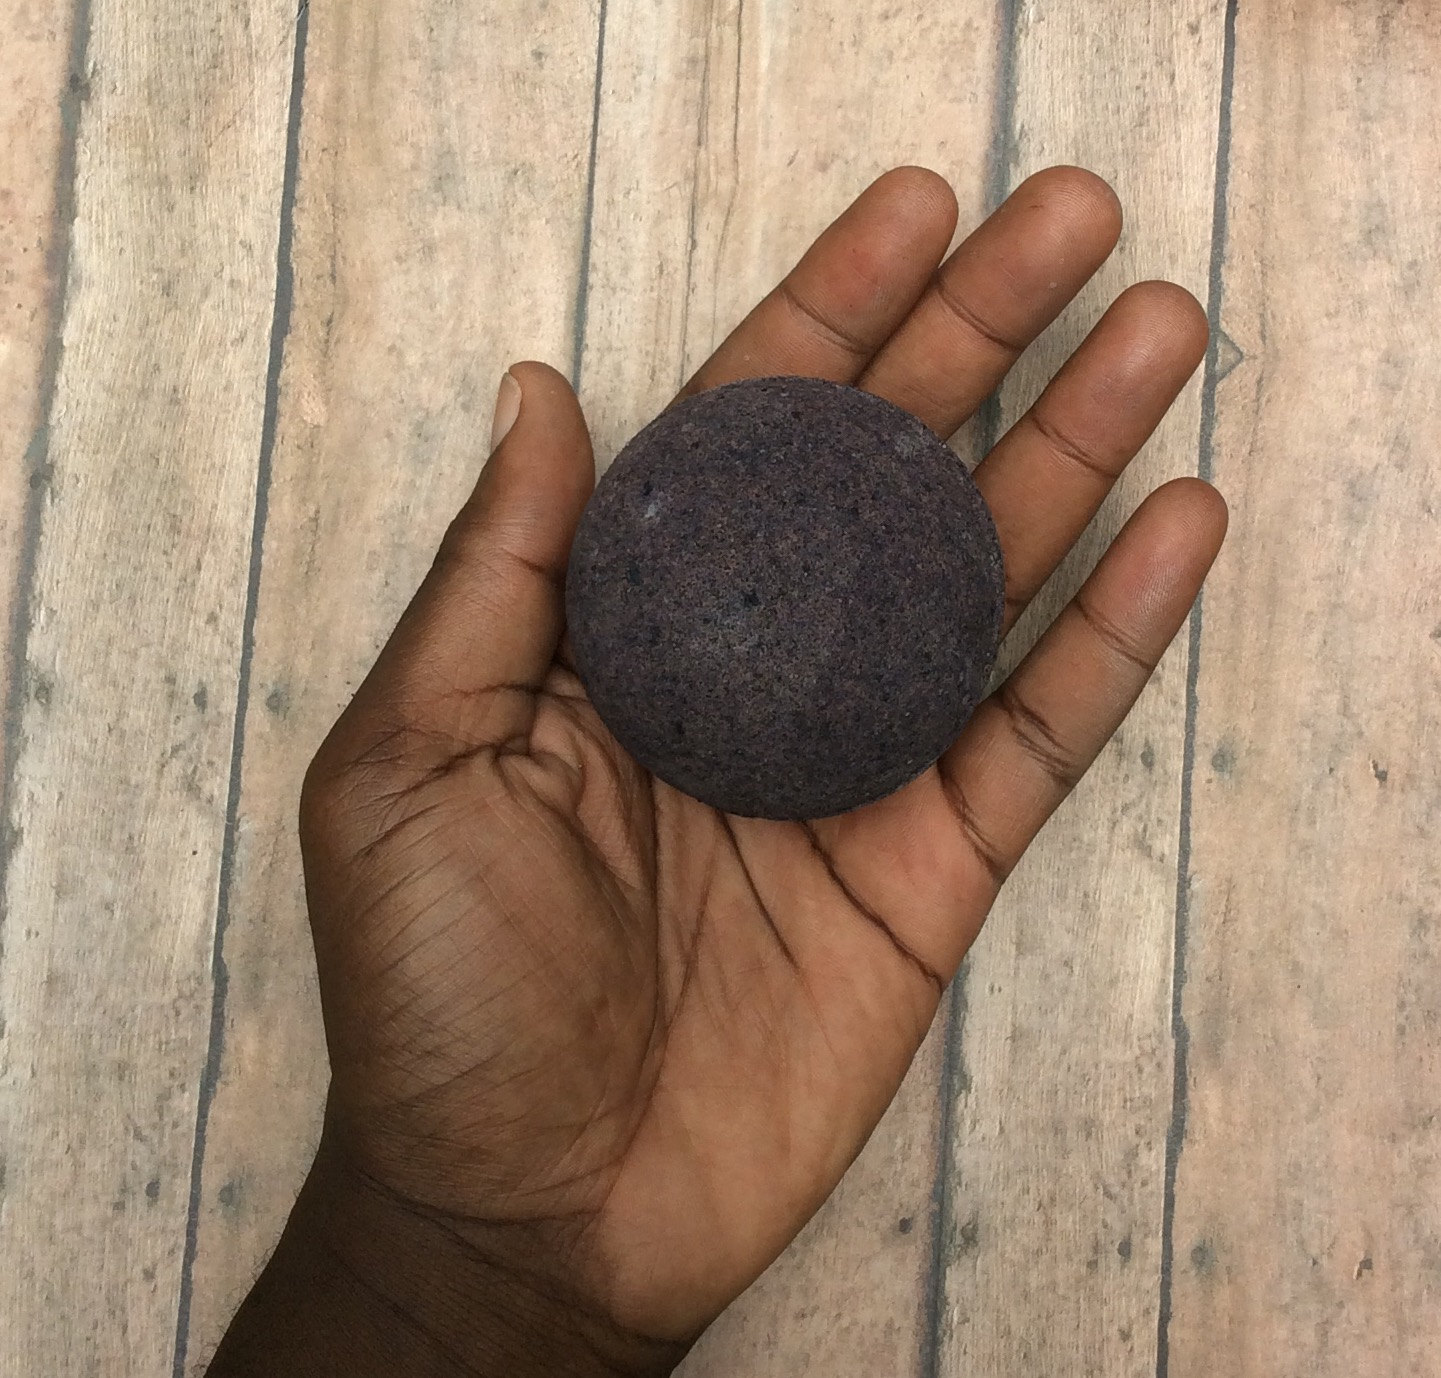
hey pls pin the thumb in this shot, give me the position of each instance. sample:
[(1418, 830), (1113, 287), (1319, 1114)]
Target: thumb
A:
[(463, 666)]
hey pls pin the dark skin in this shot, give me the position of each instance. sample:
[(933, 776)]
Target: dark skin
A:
[(582, 1095)]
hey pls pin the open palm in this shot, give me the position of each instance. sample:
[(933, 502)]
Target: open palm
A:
[(563, 997)]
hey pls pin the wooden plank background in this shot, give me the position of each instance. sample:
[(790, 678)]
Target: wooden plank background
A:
[(122, 696), (1052, 1197), (1307, 1233), (262, 266)]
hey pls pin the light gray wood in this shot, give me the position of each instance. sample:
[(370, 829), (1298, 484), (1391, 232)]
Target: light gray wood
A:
[(118, 780), (730, 135), (441, 227), (1054, 1201), (1308, 1196), (35, 170), (439, 237)]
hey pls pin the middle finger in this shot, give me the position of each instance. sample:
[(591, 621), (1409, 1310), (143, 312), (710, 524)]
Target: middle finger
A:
[(849, 292)]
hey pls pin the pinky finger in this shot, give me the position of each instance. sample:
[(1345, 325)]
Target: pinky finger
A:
[(1030, 743)]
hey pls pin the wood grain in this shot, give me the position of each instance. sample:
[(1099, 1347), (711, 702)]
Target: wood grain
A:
[(439, 236), (729, 136), (116, 803), (445, 223), (1308, 1195), (1054, 1203), (36, 176)]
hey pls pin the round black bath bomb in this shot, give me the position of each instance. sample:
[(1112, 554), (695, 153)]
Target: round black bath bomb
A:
[(785, 597)]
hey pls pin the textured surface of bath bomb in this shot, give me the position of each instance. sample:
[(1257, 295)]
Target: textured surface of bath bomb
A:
[(785, 597)]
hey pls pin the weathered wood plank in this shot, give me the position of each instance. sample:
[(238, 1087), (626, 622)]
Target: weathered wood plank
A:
[(1063, 1096), (36, 175), (1308, 1194), (730, 134), (741, 131), (116, 801), (439, 236)]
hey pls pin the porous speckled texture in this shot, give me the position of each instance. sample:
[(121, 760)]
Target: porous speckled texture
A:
[(785, 597)]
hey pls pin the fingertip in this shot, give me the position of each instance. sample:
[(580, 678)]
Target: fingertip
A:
[(909, 215), (544, 374), (1203, 498), (1175, 311), (924, 189), (1196, 513), (535, 481), (1165, 329), (547, 442), (1154, 569), (1097, 197), (543, 387), (1087, 198), (1169, 296)]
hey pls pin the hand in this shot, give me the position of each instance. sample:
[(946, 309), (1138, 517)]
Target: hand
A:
[(595, 1037)]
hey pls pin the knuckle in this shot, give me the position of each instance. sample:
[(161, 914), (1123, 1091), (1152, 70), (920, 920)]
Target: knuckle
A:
[(967, 315), (1070, 451), (1119, 643), (821, 323), (1040, 740), (990, 855), (462, 545)]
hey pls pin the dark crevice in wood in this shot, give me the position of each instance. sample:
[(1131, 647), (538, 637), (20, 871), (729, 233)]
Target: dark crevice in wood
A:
[(954, 1077), (1180, 1033), (279, 333), (582, 287)]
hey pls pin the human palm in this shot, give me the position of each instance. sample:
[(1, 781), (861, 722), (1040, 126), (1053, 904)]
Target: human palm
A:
[(566, 999)]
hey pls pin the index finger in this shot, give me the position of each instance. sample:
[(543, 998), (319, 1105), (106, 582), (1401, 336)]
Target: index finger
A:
[(851, 290)]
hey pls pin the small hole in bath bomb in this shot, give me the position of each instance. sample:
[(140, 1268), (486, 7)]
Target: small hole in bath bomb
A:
[(800, 663)]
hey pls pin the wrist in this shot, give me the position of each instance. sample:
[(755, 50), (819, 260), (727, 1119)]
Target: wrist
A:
[(363, 1283)]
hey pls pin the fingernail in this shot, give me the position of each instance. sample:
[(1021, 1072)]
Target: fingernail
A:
[(507, 409)]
